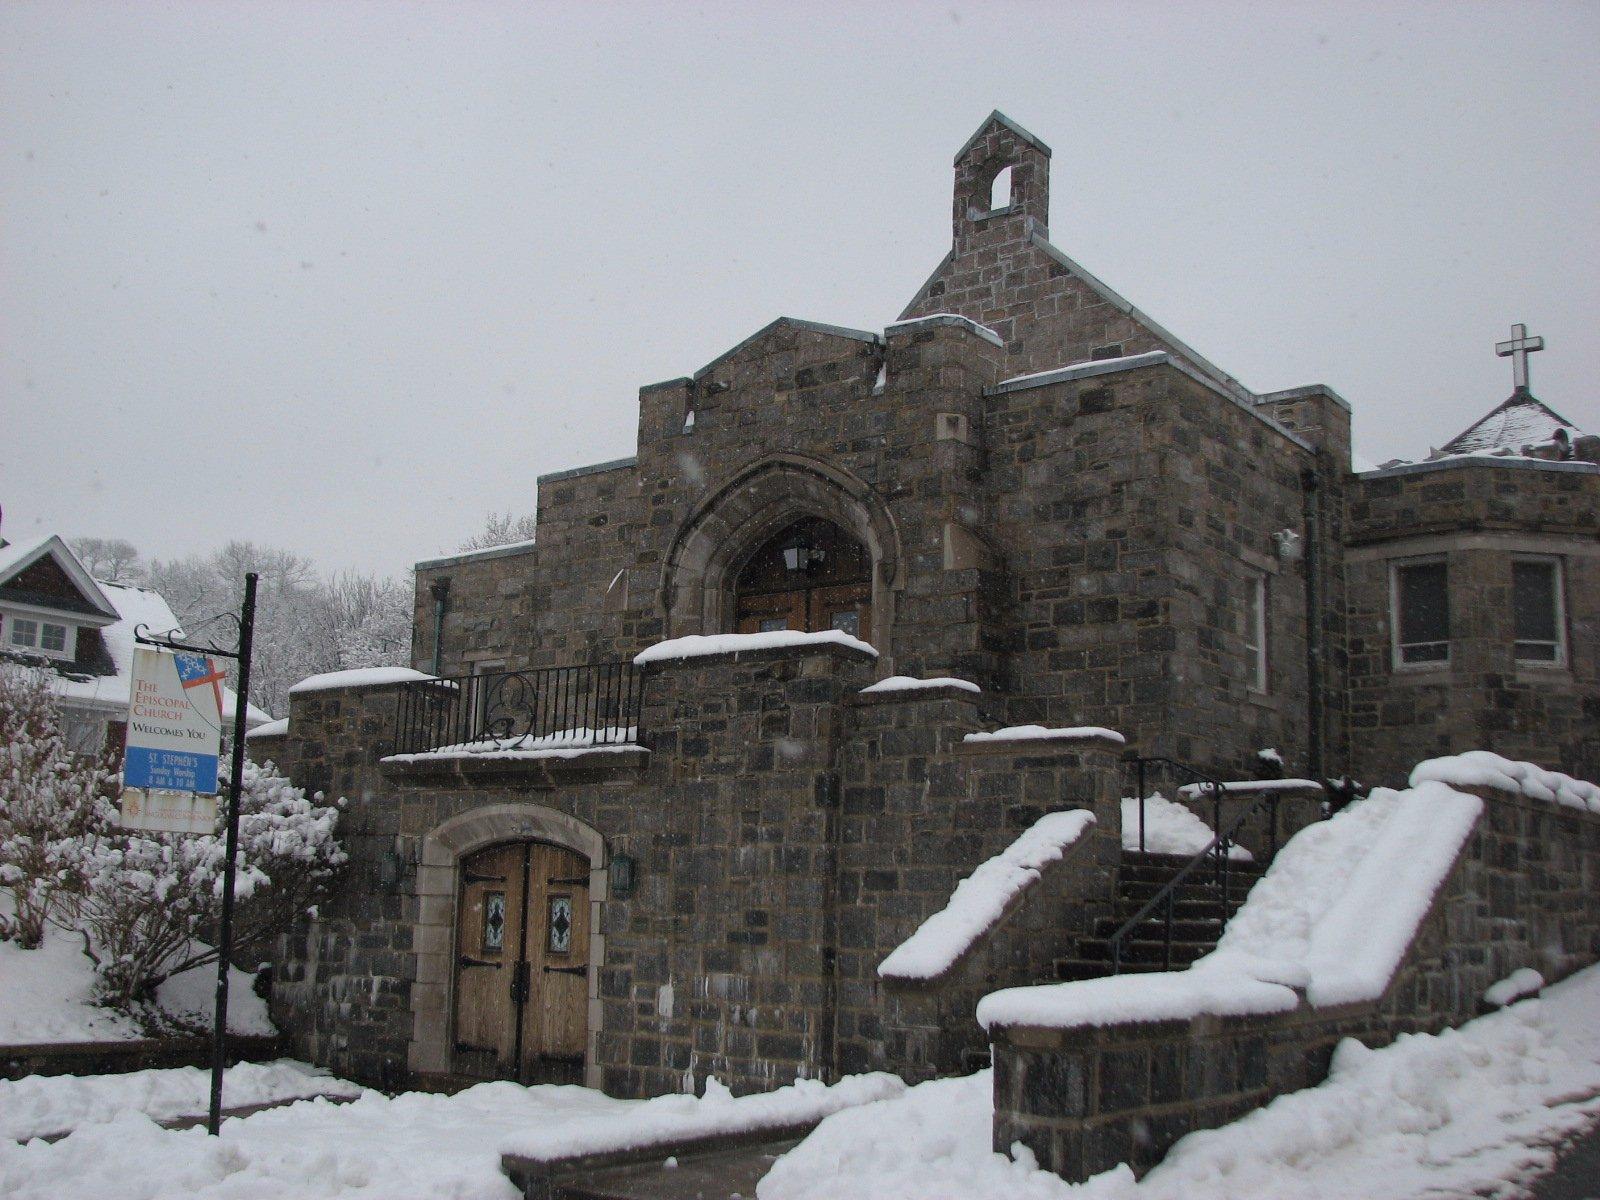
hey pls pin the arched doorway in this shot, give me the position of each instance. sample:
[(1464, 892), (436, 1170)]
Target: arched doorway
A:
[(809, 576), (522, 964)]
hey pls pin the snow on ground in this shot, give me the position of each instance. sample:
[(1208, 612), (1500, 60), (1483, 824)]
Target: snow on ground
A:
[(1457, 1114), (42, 1104), (1169, 828), (47, 995), (414, 1146), (981, 898)]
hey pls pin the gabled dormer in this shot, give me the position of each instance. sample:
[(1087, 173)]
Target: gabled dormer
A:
[(47, 601)]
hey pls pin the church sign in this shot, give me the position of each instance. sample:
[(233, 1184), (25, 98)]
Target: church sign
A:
[(169, 771)]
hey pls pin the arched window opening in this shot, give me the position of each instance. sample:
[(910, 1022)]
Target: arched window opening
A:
[(1000, 191), (810, 576)]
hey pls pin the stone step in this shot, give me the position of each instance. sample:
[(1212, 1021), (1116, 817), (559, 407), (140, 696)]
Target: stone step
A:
[(1185, 929), (1183, 953), (1070, 970), (1209, 892), (1182, 910)]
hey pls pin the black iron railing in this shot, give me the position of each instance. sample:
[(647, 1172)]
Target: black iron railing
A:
[(550, 708), (1217, 853)]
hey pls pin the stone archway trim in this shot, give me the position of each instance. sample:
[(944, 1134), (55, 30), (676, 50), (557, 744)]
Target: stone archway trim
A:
[(755, 502), (433, 936)]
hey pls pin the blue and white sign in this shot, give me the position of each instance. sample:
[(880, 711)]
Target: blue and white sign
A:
[(169, 770)]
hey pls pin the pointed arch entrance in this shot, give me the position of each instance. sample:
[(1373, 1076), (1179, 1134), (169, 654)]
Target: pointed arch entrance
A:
[(749, 513)]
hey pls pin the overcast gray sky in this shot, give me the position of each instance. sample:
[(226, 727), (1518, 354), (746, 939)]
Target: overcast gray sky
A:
[(343, 278)]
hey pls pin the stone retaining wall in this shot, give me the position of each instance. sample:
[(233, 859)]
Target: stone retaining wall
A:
[(1522, 894)]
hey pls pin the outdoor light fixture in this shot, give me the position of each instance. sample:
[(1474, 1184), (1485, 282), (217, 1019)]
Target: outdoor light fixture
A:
[(800, 555), (620, 872), (392, 865)]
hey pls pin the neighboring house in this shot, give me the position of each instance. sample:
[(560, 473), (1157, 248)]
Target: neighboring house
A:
[(54, 614)]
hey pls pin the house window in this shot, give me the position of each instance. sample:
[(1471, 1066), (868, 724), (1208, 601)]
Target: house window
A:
[(1255, 638), (1536, 611), (1420, 597), (44, 637)]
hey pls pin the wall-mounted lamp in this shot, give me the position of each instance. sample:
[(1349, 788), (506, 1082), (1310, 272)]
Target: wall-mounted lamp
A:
[(393, 863), (620, 871)]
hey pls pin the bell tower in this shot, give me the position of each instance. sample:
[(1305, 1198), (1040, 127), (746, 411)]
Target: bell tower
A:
[(1002, 183)]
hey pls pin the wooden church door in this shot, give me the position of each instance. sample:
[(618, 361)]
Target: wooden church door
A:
[(811, 576), (522, 964)]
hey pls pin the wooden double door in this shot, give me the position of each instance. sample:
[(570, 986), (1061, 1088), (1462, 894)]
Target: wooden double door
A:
[(522, 964)]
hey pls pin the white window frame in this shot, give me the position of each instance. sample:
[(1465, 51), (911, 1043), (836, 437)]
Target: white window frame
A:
[(69, 636), (1559, 588), (1257, 632), (1396, 650)]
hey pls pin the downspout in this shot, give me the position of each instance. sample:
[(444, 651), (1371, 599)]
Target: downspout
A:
[(1311, 514), (441, 591)]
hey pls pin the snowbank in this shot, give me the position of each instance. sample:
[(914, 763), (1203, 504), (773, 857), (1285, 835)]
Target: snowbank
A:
[(980, 900), (668, 1119), (1480, 768), (47, 995), (697, 645), (907, 683), (45, 1104), (1170, 828), (361, 677), (1463, 1113), (1039, 733)]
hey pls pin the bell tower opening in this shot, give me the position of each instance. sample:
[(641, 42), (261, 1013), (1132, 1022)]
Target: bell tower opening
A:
[(810, 576)]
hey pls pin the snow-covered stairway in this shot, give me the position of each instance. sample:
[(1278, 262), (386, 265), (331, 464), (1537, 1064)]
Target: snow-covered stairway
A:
[(1199, 912)]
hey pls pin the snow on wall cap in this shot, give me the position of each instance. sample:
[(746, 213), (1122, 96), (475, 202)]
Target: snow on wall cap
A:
[(1482, 768), (270, 729), (980, 900), (362, 677), (907, 683), (1039, 733), (701, 645), (1123, 999), (955, 319)]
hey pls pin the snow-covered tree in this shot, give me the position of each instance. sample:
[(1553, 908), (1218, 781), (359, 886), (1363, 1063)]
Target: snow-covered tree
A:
[(501, 530), (148, 900), (52, 804), (111, 559)]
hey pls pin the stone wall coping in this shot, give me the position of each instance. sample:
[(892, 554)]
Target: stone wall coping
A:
[(711, 648), (915, 695), (838, 331), (509, 550), (547, 770), (1303, 392), (600, 468), (1503, 461), (1046, 742), (366, 679), (539, 1178), (955, 320)]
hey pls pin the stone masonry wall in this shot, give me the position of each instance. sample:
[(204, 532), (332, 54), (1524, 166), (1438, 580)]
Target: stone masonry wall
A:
[(1477, 517), (1522, 894)]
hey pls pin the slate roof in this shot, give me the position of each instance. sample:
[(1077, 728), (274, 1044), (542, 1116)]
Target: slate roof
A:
[(1520, 421)]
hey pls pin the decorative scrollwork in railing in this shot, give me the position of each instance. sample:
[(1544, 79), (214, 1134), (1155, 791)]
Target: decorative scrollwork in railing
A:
[(547, 708)]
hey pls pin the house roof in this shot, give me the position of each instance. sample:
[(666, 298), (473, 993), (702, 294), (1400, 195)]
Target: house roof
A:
[(17, 557), (1521, 421), (134, 606)]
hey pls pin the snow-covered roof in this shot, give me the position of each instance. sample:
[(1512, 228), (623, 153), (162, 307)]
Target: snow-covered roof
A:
[(1520, 421), (17, 557), (134, 606)]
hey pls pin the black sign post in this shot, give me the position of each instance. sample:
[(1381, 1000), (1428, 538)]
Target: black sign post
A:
[(241, 706)]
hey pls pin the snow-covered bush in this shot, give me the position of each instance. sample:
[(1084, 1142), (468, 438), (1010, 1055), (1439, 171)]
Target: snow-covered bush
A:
[(52, 804), (149, 900)]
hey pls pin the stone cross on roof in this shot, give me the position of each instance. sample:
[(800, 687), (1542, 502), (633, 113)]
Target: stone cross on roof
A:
[(1517, 350)]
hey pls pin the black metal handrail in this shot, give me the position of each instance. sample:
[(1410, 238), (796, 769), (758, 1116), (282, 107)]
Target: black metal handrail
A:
[(1219, 849), (546, 708)]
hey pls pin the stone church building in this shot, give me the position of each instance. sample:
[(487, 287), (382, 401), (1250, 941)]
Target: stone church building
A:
[(579, 858)]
